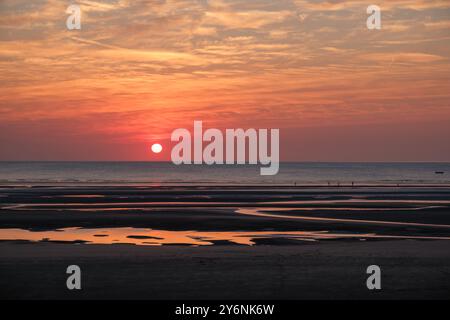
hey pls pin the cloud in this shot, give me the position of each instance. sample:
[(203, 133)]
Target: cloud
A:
[(245, 19), (335, 5), (404, 57), (140, 68)]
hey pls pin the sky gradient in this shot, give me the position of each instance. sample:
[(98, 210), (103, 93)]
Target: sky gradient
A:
[(137, 70)]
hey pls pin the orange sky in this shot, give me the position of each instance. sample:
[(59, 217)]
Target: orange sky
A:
[(139, 69)]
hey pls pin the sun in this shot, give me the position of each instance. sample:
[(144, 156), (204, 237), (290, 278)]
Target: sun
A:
[(157, 148)]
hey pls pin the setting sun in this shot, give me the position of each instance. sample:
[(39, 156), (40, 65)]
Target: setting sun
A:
[(156, 148)]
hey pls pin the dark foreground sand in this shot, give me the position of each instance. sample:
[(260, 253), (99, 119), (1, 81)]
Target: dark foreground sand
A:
[(275, 267), (335, 270)]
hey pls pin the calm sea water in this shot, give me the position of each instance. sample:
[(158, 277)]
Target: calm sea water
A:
[(168, 173)]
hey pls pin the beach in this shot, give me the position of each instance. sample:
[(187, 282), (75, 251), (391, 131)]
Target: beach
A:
[(410, 270), (225, 242)]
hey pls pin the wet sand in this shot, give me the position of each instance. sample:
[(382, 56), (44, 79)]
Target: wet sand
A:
[(225, 242), (334, 270)]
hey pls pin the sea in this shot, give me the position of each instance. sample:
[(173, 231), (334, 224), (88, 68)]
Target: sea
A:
[(167, 173)]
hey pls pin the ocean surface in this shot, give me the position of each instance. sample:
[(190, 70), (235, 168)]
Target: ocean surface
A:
[(165, 173)]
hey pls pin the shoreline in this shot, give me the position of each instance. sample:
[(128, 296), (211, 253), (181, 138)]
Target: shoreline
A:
[(398, 211), (322, 257), (343, 185)]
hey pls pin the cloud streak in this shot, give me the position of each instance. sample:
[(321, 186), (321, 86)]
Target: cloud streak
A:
[(138, 69)]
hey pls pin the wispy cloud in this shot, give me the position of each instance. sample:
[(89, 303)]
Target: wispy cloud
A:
[(140, 68)]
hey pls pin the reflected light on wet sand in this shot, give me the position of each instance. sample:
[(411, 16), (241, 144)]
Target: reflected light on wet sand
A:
[(151, 237)]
